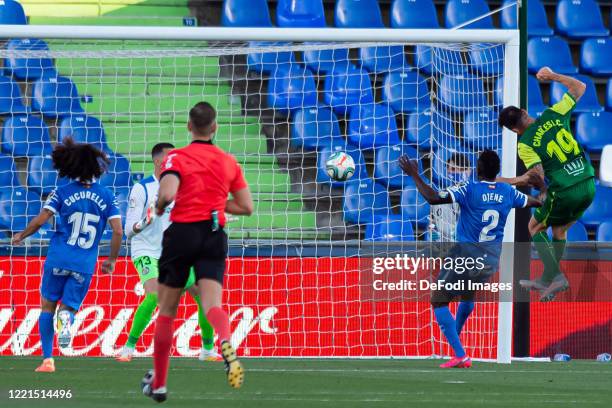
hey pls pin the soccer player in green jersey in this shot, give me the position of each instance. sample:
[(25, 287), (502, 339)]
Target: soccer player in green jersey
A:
[(548, 149)]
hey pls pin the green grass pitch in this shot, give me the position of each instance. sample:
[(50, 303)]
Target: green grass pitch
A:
[(273, 383)]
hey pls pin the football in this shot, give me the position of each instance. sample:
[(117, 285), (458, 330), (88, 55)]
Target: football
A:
[(340, 166)]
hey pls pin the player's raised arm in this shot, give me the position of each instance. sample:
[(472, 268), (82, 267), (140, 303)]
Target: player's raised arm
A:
[(574, 87), (34, 225), (411, 168)]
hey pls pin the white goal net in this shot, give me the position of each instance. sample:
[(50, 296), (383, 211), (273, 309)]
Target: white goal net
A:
[(294, 283)]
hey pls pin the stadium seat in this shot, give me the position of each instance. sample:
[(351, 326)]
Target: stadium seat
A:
[(604, 232), (605, 170), (11, 102), (300, 13), (414, 207), (537, 23), (335, 146), (552, 52), (118, 173), (588, 102), (17, 207), (42, 177), (268, 62), (535, 103), (28, 68), (25, 135), (55, 96), (487, 59), (389, 228), (423, 59), (419, 131), (8, 172), (347, 86), (245, 13), (462, 92), (596, 56), (609, 95), (481, 131), (447, 61), (414, 14), (580, 19), (314, 127), (406, 91), (290, 88), (358, 14), (458, 12), (83, 129), (383, 59), (601, 208), (576, 233), (593, 130), (363, 200), (11, 12), (386, 165), (324, 61), (371, 125)]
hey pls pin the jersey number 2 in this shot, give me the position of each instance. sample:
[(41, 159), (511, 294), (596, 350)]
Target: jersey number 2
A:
[(492, 218), (82, 223)]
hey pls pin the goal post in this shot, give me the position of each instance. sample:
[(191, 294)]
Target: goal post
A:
[(293, 277)]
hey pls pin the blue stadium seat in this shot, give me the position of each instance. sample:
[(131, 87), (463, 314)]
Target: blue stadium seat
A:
[(596, 56), (537, 23), (55, 96), (335, 146), (481, 131), (460, 11), (25, 136), (8, 172), (386, 165), (449, 61), (118, 173), (423, 59), (290, 88), (389, 228), (358, 14), (245, 13), (363, 200), (17, 207), (414, 14), (347, 86), (419, 129), (383, 59), (11, 12), (324, 61), (576, 233), (42, 177), (609, 95), (462, 92), (371, 125), (268, 62), (552, 52), (83, 129), (535, 103), (414, 207), (588, 102), (487, 59), (406, 91), (300, 13), (601, 208), (28, 68), (580, 19), (10, 97), (604, 232), (593, 130), (314, 127)]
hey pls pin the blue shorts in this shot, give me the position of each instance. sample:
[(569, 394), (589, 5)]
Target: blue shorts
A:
[(69, 286)]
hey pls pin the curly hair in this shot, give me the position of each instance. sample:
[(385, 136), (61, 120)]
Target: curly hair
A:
[(488, 165), (80, 161)]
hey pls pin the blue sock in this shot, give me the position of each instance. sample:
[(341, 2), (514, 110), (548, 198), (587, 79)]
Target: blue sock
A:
[(45, 327), (463, 312), (448, 326)]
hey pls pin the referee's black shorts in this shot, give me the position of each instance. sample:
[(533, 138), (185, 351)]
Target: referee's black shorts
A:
[(196, 245)]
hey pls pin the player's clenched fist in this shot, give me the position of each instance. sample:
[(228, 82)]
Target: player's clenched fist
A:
[(545, 74)]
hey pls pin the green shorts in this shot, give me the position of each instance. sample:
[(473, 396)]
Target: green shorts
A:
[(148, 269), (566, 206)]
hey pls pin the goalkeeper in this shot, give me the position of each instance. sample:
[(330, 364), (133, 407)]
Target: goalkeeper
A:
[(145, 231), (548, 149)]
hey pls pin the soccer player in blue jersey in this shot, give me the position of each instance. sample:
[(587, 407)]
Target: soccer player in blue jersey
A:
[(82, 209), (484, 206)]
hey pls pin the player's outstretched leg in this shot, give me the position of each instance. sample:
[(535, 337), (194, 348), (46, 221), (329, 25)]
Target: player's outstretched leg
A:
[(142, 317), (449, 329), (45, 327), (463, 312)]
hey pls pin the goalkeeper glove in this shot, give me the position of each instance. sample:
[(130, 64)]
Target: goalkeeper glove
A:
[(147, 219)]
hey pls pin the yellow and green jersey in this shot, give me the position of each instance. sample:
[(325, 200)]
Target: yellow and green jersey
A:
[(549, 141)]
